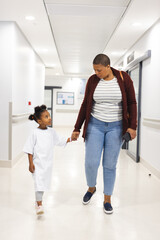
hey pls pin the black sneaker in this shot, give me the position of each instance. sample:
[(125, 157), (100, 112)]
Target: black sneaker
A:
[(87, 197), (108, 208)]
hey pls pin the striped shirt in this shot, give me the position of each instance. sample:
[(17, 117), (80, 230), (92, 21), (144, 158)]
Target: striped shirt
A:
[(107, 98)]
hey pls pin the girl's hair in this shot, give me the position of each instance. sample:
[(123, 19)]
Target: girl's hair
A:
[(37, 112), (101, 59)]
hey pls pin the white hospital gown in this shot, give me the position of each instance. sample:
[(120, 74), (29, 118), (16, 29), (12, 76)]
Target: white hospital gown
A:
[(41, 144)]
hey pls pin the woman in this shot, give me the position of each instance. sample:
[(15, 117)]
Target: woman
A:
[(109, 110)]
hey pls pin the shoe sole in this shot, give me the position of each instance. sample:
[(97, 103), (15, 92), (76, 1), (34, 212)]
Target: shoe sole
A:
[(108, 212), (85, 203), (40, 213)]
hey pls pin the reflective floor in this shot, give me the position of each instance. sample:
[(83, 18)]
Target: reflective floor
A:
[(136, 202)]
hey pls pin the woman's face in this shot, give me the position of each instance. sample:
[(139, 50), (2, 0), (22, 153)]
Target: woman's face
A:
[(101, 71)]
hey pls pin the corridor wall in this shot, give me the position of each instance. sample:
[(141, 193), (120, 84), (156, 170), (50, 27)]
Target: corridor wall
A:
[(21, 81), (66, 115), (150, 102)]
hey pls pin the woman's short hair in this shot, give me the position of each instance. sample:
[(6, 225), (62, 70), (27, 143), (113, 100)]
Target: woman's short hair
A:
[(101, 59)]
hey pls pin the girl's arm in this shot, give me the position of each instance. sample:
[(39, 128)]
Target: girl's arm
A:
[(31, 165), (69, 140)]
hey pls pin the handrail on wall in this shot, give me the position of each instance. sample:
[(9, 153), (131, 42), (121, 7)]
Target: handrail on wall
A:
[(20, 117), (151, 122), (152, 119)]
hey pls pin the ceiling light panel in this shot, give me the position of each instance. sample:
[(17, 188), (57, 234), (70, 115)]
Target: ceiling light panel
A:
[(82, 10), (122, 3), (30, 18), (81, 32)]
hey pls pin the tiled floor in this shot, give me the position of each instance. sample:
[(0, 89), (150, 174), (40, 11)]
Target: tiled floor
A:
[(136, 202)]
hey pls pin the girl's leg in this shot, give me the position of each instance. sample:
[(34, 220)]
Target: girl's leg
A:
[(93, 148), (112, 145), (39, 195)]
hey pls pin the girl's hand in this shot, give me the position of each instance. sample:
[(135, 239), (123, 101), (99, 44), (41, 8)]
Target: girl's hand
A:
[(31, 168)]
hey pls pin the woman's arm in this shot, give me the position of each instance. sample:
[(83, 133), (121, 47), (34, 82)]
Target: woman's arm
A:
[(82, 112), (81, 115), (131, 107), (131, 102)]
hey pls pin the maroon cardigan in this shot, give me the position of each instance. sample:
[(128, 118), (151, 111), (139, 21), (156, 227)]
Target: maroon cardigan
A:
[(128, 102)]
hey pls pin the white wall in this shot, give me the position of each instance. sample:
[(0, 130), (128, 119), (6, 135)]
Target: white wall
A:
[(28, 74), (68, 84), (150, 136), (5, 86), (22, 81)]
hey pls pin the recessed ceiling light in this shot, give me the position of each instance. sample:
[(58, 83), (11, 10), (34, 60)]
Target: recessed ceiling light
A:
[(44, 50), (30, 18), (50, 65), (136, 24), (57, 74)]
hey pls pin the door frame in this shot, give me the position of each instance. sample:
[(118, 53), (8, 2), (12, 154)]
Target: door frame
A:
[(137, 157), (138, 62), (51, 88)]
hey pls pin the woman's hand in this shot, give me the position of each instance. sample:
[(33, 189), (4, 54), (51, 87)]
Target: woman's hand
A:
[(31, 168), (132, 132), (75, 136)]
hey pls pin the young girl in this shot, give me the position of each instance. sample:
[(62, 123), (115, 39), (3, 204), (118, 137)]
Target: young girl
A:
[(39, 148)]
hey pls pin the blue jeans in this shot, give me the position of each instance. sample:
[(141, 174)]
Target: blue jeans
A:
[(106, 137)]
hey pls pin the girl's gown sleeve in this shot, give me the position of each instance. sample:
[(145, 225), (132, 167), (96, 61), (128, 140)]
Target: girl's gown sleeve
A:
[(29, 145)]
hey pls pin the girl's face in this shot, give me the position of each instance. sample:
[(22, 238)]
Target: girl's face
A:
[(45, 119)]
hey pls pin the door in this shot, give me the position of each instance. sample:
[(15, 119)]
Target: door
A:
[(133, 146), (48, 100)]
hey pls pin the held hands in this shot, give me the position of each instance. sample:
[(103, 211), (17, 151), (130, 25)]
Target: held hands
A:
[(75, 136), (132, 132), (31, 168)]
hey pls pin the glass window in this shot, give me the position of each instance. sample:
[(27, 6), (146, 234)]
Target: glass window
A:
[(48, 97)]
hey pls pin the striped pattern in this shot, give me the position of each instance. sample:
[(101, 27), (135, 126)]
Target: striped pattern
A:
[(107, 98)]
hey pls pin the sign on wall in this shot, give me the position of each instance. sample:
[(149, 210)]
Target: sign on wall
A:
[(65, 98)]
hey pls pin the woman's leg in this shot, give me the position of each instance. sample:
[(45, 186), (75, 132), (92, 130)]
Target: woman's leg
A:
[(93, 149), (39, 195), (112, 145)]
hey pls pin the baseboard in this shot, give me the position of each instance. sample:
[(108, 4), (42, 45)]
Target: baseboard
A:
[(150, 168), (5, 163), (11, 163)]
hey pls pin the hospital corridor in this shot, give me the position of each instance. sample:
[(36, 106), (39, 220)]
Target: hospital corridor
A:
[(136, 201), (79, 120)]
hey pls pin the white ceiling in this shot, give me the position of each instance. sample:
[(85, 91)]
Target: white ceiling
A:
[(67, 34), (81, 32)]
